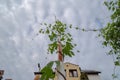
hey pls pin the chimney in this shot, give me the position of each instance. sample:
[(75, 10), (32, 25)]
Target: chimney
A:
[(60, 55)]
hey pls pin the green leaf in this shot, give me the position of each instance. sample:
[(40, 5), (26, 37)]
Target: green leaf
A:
[(47, 31), (40, 31), (105, 43), (117, 63), (50, 64), (69, 34), (111, 2), (45, 24), (70, 26), (77, 28), (114, 76), (106, 3), (75, 44), (50, 25), (47, 73), (78, 51), (62, 39), (83, 29), (52, 36)]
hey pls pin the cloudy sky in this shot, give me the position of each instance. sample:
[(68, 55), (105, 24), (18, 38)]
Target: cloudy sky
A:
[(21, 49)]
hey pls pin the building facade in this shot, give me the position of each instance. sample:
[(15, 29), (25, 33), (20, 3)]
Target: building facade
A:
[(92, 74), (73, 72)]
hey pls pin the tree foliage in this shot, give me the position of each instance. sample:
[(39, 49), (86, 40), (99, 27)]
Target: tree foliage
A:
[(111, 33), (57, 32), (47, 71)]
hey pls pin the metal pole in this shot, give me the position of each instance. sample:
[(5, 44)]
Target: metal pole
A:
[(39, 66)]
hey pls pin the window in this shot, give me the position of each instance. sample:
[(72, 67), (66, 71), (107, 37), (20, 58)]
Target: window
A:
[(73, 73)]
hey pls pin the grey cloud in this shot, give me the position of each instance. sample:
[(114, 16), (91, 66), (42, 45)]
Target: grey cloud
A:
[(21, 49)]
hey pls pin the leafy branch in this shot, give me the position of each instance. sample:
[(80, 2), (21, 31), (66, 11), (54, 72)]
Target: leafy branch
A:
[(47, 71), (111, 33), (57, 33)]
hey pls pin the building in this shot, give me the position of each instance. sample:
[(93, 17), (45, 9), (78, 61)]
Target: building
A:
[(1, 74), (92, 74), (74, 72), (8, 79)]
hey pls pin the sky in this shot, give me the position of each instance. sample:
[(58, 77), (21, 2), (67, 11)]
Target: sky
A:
[(21, 49)]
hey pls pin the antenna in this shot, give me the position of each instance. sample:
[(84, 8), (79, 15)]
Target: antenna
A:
[(39, 66)]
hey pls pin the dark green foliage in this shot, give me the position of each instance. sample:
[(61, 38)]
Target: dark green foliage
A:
[(68, 49), (48, 71), (117, 63), (111, 33)]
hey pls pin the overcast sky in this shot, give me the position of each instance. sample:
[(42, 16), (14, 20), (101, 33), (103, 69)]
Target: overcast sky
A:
[(21, 49)]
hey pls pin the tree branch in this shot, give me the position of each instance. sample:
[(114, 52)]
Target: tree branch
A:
[(61, 74)]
